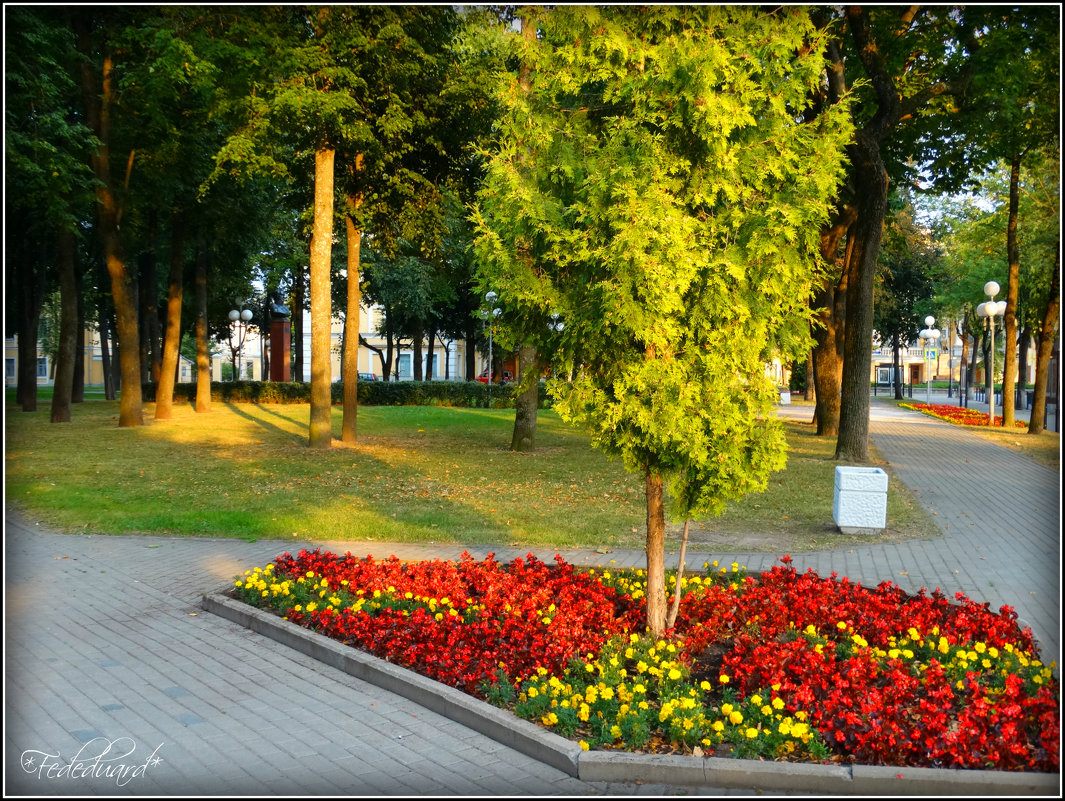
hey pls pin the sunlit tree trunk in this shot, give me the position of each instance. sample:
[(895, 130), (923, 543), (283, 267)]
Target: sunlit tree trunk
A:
[(164, 391), (98, 99), (525, 405), (1009, 338), (321, 422), (203, 357), (656, 555), (348, 426)]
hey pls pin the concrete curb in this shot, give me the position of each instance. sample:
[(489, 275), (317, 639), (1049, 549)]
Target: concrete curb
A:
[(605, 766), (482, 717)]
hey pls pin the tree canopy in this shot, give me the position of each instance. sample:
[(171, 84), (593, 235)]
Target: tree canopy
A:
[(658, 192)]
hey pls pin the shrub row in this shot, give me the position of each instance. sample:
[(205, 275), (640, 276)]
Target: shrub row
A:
[(371, 393)]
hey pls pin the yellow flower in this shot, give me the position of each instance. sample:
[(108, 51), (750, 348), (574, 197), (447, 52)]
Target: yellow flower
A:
[(751, 733), (674, 674), (718, 726), (756, 699), (736, 717), (705, 685), (584, 746), (723, 678), (778, 703)]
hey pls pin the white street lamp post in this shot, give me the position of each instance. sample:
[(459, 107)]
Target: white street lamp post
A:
[(238, 320), (989, 309), (930, 336)]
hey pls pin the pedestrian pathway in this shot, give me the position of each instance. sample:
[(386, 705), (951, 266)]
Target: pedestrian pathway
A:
[(107, 646)]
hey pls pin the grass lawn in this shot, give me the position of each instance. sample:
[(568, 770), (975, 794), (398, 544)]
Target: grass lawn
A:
[(417, 474)]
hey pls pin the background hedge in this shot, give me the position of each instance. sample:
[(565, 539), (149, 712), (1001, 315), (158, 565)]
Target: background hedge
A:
[(473, 394)]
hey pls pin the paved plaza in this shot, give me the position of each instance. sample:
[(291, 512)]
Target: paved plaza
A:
[(107, 645)]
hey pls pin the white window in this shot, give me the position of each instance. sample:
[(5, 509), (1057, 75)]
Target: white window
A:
[(42, 367), (9, 368)]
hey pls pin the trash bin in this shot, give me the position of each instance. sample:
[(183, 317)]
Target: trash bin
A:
[(785, 395), (859, 504)]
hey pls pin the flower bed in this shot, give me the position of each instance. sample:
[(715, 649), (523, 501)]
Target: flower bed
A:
[(779, 666), (958, 414)]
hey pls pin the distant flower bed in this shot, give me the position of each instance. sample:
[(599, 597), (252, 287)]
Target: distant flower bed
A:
[(777, 666), (958, 414)]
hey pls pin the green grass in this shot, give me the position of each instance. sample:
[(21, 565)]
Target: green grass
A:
[(417, 474)]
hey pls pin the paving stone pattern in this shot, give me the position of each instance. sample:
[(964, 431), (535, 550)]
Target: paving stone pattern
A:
[(106, 645)]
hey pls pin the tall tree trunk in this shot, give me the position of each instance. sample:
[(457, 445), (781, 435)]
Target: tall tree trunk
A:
[(525, 404), (430, 353), (656, 555), (1009, 334), (203, 357), (417, 338), (1045, 349), (810, 393), (830, 303), (31, 297), (105, 350), (1020, 396), (147, 295), (321, 422), (98, 99), (77, 390), (852, 445), (963, 385), (164, 392), (471, 351), (348, 426), (66, 257)]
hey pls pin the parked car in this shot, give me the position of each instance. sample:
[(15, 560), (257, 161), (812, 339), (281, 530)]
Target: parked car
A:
[(367, 376), (483, 377)]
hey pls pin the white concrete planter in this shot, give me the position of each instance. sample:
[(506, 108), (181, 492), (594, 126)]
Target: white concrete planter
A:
[(859, 504)]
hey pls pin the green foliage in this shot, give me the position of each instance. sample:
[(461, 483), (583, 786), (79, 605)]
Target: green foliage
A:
[(657, 191), (908, 261)]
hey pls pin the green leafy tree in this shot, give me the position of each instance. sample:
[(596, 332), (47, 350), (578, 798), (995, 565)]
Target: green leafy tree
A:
[(1016, 112), (49, 188), (657, 190), (904, 292), (907, 66)]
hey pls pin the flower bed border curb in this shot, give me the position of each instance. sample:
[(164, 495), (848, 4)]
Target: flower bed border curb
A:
[(604, 766)]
